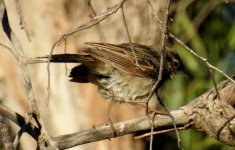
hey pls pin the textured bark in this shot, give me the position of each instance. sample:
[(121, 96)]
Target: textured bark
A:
[(215, 116), (5, 134)]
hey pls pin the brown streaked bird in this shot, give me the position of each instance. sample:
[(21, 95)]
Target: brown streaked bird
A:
[(113, 70)]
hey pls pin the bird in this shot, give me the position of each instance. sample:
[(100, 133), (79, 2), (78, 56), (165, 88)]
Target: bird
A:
[(119, 73)]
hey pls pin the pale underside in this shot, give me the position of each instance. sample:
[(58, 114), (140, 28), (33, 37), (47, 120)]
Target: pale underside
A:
[(123, 87)]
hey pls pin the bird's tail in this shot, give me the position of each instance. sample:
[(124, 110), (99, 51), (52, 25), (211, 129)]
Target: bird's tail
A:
[(61, 58)]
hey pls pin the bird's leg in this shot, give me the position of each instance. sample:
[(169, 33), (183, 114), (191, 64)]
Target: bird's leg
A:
[(166, 111), (110, 104), (108, 120), (108, 114), (172, 118)]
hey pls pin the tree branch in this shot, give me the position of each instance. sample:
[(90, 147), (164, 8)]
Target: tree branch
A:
[(206, 113), (121, 128)]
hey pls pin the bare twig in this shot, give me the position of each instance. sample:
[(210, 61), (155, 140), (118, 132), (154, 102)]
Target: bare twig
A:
[(151, 122), (10, 50), (201, 58), (149, 35), (159, 73), (209, 66), (164, 37), (129, 37), (150, 5), (164, 28), (214, 82), (65, 50), (22, 20), (91, 8), (161, 132), (98, 26), (201, 16)]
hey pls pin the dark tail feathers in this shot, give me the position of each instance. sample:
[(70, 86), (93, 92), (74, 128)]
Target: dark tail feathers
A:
[(62, 58)]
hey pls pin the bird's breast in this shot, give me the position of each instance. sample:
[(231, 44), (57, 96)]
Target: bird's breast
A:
[(125, 88)]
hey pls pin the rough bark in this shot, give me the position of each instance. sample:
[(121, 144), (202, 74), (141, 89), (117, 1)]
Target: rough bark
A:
[(215, 116)]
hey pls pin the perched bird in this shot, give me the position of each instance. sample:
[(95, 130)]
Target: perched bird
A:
[(113, 69)]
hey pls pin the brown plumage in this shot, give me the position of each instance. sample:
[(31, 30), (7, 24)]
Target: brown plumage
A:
[(113, 69)]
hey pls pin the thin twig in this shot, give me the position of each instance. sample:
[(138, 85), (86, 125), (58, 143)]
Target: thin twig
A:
[(129, 37), (149, 35), (164, 27), (22, 20), (200, 57), (151, 122), (161, 132), (150, 5), (65, 51), (162, 48), (10, 50), (98, 26), (214, 82), (91, 8)]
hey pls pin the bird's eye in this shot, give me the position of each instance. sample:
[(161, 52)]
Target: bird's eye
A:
[(175, 62)]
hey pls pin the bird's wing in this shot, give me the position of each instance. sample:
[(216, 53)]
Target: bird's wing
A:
[(122, 57)]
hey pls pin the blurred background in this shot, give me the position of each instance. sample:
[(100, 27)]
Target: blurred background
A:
[(208, 27)]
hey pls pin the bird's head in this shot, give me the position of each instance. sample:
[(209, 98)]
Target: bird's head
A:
[(175, 64)]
